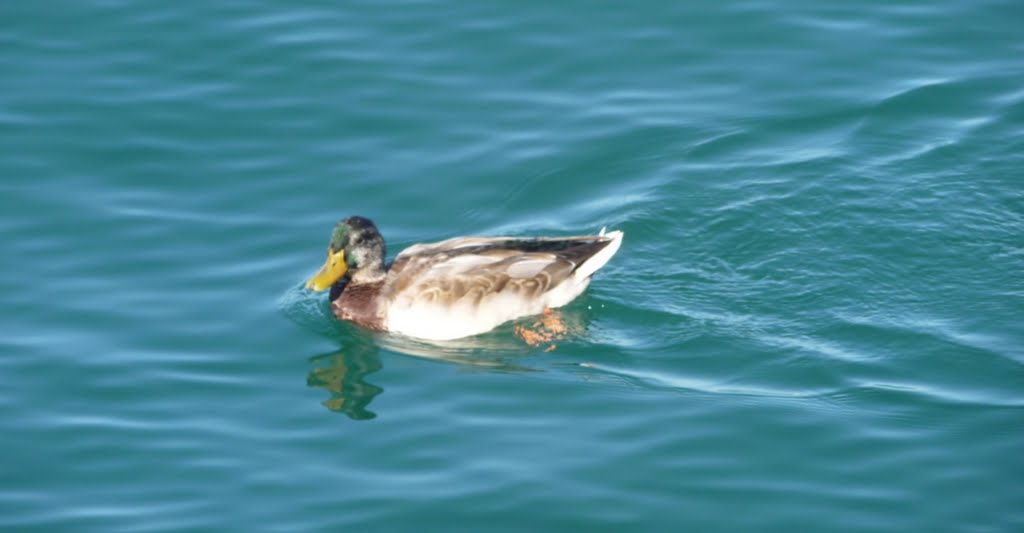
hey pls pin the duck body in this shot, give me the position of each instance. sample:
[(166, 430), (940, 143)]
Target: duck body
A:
[(458, 287)]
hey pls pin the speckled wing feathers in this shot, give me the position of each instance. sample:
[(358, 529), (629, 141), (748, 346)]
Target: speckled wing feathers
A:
[(467, 270)]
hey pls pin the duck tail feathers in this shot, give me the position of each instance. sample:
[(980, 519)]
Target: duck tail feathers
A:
[(598, 260)]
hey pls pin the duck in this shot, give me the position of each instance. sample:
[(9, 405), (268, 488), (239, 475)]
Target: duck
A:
[(458, 287)]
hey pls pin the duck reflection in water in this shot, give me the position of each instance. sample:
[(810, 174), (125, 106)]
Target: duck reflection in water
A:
[(343, 376), (342, 373)]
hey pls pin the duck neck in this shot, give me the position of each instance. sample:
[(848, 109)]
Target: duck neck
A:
[(371, 272)]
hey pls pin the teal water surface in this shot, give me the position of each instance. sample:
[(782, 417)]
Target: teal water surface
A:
[(814, 321)]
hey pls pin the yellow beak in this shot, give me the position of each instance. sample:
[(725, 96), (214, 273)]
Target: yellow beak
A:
[(332, 271)]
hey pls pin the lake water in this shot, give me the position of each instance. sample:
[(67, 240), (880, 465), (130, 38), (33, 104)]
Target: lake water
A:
[(815, 320)]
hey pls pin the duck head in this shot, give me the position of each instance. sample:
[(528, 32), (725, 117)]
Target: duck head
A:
[(357, 248)]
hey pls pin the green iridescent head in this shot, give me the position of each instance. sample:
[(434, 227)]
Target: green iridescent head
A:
[(355, 244)]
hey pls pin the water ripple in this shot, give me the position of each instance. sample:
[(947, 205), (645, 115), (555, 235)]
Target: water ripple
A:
[(814, 316)]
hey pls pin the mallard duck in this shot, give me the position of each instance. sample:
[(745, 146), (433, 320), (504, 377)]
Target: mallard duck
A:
[(455, 288)]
